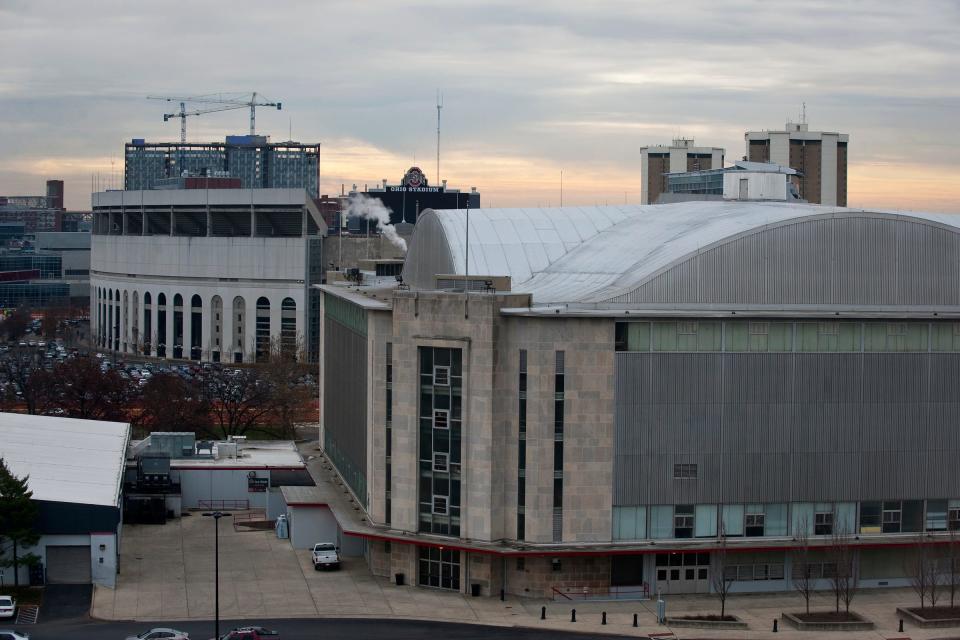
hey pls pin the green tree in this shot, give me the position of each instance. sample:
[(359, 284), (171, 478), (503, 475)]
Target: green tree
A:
[(18, 516)]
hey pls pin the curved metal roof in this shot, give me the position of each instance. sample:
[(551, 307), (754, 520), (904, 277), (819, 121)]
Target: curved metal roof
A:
[(597, 254)]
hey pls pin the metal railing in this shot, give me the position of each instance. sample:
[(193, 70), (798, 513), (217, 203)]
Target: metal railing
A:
[(573, 592), (224, 505)]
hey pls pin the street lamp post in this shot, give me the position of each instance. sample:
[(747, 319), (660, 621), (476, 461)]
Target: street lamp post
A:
[(216, 515)]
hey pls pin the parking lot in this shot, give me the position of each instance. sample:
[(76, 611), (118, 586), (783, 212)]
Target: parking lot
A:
[(167, 573)]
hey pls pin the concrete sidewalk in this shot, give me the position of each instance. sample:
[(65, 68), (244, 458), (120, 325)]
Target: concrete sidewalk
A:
[(167, 574)]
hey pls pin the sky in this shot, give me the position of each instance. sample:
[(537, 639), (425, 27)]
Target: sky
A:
[(530, 89)]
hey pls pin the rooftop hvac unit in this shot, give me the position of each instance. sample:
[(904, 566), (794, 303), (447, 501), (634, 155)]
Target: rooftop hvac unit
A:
[(226, 450)]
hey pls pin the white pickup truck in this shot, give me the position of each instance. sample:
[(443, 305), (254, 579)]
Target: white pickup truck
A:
[(326, 555)]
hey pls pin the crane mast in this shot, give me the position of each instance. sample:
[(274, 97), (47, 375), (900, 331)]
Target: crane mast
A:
[(224, 102)]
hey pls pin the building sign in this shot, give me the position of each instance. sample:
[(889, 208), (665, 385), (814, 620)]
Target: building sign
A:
[(414, 178), (257, 485), (402, 189)]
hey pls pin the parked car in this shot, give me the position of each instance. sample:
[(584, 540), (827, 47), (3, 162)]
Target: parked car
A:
[(251, 633), (326, 555), (8, 606), (260, 632), (161, 633), (10, 634)]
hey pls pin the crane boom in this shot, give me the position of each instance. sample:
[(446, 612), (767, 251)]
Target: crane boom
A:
[(228, 102)]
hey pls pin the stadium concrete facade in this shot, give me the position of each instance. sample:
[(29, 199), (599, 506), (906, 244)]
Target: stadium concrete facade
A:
[(621, 392), (222, 275)]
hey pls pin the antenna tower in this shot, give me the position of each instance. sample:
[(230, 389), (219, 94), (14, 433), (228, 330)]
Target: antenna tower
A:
[(439, 106)]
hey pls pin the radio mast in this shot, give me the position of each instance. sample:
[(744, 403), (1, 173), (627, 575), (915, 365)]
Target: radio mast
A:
[(439, 106)]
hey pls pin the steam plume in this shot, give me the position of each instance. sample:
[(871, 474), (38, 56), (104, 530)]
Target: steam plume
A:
[(372, 209)]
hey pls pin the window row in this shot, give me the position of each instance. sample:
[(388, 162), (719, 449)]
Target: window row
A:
[(786, 336), (782, 519)]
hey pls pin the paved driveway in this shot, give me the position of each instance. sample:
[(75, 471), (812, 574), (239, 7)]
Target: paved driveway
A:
[(166, 573)]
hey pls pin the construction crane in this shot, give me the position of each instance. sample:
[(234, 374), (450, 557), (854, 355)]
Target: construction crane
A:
[(227, 102)]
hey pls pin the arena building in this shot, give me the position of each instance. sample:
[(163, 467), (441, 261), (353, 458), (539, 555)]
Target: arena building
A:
[(622, 386), (221, 275)]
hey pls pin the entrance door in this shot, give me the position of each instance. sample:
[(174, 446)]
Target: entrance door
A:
[(439, 568), (68, 565), (683, 572)]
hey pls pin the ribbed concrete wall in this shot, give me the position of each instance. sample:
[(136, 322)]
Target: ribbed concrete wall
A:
[(860, 259), (784, 427), (345, 402)]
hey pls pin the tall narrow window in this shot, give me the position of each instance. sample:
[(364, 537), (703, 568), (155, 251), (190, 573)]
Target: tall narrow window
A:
[(388, 444), (558, 448), (441, 391), (522, 448), (288, 329), (196, 327), (263, 330), (177, 326)]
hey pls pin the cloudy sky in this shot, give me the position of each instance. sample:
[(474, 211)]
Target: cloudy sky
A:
[(530, 88)]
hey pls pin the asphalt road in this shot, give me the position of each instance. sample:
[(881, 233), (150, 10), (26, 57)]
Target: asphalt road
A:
[(326, 629)]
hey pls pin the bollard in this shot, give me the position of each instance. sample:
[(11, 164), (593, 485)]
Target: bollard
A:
[(573, 615), (900, 629), (635, 620), (543, 613), (501, 595), (775, 625), (603, 620)]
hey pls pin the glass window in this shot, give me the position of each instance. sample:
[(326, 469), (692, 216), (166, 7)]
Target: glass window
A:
[(661, 521), (754, 520), (845, 517), (629, 523), (732, 519), (936, 515), (895, 336), (871, 514), (683, 517), (685, 471), (912, 521), (823, 520), (705, 518), (775, 519), (892, 517), (828, 335), (945, 336), (802, 514)]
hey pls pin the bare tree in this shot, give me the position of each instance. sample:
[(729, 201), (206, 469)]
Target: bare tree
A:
[(15, 325), (291, 401), (188, 411), (722, 574), (918, 568), (88, 392), (951, 560), (23, 371), (843, 578), (802, 567), (239, 399)]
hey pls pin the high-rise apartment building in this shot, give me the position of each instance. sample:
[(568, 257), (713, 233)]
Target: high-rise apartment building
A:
[(819, 156), (679, 157), (257, 162)]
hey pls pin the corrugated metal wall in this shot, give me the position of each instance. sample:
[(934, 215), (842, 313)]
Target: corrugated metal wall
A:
[(841, 260), (345, 402), (783, 427)]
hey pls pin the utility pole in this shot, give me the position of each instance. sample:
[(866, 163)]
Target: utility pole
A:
[(216, 515)]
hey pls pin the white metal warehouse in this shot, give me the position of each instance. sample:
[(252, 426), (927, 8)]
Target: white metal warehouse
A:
[(75, 471)]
